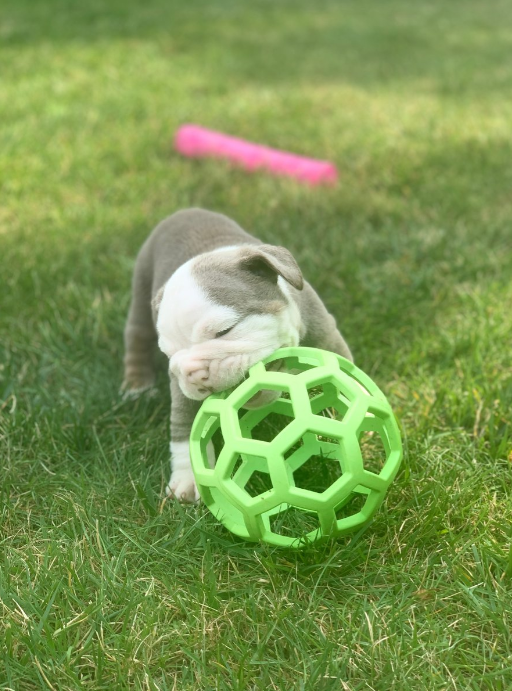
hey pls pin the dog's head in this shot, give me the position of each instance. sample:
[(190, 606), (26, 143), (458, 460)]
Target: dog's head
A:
[(223, 311)]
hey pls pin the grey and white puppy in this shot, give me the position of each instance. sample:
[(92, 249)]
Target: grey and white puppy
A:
[(217, 300)]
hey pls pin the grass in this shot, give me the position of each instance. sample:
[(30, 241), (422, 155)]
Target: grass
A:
[(101, 585)]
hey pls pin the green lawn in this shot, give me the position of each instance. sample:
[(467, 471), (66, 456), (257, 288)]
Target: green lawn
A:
[(104, 586)]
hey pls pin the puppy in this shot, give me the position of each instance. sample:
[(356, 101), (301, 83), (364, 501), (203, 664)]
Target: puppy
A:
[(216, 300)]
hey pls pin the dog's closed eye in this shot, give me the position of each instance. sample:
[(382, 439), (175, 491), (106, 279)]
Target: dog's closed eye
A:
[(219, 334)]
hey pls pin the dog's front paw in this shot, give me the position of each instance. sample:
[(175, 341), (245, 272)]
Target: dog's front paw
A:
[(182, 486)]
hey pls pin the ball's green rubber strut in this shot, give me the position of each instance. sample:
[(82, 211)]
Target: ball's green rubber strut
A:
[(331, 417)]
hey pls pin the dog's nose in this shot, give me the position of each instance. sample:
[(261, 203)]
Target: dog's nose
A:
[(195, 376)]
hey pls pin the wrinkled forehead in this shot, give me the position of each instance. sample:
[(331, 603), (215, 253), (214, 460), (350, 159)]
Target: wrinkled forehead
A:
[(223, 280), (186, 306), (184, 300)]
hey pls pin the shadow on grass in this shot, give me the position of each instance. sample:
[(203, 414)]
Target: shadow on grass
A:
[(384, 250), (447, 49)]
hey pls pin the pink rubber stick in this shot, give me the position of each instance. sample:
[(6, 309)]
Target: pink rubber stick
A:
[(198, 142)]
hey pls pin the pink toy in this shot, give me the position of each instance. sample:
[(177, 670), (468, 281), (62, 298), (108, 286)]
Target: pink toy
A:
[(196, 142)]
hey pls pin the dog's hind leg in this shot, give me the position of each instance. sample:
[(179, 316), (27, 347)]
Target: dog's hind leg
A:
[(140, 337)]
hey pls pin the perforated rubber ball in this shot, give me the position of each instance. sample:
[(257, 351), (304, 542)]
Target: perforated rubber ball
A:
[(314, 463)]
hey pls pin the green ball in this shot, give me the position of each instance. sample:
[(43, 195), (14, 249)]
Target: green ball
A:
[(312, 464)]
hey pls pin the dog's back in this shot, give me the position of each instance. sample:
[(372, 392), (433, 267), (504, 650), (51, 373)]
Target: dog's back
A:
[(185, 235)]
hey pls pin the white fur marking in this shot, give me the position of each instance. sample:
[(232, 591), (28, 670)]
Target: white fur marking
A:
[(182, 484), (188, 321)]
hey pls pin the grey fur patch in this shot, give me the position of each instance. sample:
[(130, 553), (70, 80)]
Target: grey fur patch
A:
[(277, 260), (228, 279)]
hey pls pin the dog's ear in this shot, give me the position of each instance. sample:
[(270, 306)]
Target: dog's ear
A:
[(155, 302), (270, 262)]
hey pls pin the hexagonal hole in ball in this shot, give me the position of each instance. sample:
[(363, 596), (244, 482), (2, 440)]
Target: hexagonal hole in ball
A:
[(373, 451), (271, 425), (292, 522), (251, 474), (351, 505), (211, 432), (267, 422), (293, 364), (328, 401), (315, 464), (258, 483)]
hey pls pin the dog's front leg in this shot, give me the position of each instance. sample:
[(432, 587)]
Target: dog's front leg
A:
[(182, 485)]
